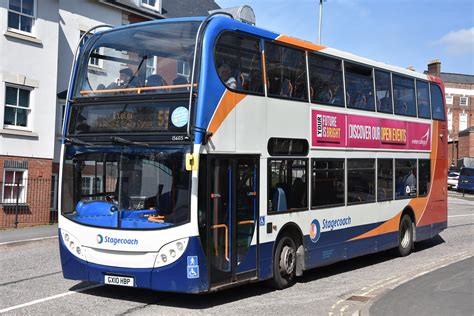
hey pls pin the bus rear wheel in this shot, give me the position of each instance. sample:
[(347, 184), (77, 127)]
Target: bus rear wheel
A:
[(405, 237), (284, 263)]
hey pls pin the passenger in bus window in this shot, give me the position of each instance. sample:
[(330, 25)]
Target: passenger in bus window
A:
[(225, 73), (126, 79)]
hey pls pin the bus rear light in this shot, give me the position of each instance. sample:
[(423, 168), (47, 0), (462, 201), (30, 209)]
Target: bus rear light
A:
[(171, 252)]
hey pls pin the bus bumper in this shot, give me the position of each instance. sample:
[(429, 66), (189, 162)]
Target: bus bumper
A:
[(175, 277)]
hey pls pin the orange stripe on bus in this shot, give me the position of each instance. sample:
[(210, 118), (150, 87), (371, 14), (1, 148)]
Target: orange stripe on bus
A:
[(300, 43), (389, 226), (226, 105)]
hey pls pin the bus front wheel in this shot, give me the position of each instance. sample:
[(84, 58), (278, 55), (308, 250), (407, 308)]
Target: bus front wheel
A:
[(405, 237), (284, 263)]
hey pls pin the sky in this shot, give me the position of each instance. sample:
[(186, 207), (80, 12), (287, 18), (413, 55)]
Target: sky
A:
[(398, 32)]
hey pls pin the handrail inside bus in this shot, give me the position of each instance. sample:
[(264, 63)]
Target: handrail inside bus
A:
[(138, 89), (217, 226)]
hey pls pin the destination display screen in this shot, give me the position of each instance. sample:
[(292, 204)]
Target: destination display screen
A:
[(129, 118)]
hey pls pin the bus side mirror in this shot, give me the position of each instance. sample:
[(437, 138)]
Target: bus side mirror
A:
[(192, 162)]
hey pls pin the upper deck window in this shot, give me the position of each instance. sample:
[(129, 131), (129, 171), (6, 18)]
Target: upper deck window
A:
[(359, 87), (326, 80), (239, 62), (423, 99), (383, 91), (404, 95), (134, 60), (286, 72), (437, 104)]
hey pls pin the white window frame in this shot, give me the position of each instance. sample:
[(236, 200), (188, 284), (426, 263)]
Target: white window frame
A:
[(450, 121), (23, 196), (28, 126), (466, 99), (33, 18), (449, 99), (156, 7), (90, 178), (181, 66), (464, 114), (152, 66)]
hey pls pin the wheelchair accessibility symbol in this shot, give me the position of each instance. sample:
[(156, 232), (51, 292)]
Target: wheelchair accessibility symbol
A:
[(193, 272)]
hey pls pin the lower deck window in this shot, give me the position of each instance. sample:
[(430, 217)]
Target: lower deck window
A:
[(328, 182), (384, 179), (405, 170), (424, 180), (360, 181), (287, 186)]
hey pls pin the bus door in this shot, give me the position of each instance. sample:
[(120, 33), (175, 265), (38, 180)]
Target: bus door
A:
[(232, 218)]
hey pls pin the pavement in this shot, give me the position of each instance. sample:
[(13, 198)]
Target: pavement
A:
[(446, 291), (26, 234)]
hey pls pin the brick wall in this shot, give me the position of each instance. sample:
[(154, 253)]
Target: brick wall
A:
[(466, 144), (35, 208)]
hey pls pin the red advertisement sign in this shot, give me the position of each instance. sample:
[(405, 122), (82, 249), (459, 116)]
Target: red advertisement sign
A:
[(356, 131)]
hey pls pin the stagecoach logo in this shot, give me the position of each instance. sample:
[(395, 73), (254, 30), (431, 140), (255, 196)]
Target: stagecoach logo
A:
[(315, 231), (423, 140), (99, 239)]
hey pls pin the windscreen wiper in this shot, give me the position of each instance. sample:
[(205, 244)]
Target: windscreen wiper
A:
[(76, 141), (124, 141)]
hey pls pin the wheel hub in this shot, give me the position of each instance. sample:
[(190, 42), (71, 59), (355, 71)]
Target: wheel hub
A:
[(287, 260)]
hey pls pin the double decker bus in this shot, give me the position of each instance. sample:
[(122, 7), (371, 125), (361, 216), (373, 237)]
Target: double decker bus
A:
[(202, 153)]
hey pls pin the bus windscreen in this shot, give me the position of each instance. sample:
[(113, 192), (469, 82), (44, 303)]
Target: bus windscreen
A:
[(153, 59)]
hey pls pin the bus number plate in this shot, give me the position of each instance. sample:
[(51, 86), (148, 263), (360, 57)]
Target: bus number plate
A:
[(119, 280)]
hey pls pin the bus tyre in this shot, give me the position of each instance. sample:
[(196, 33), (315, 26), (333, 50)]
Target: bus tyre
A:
[(284, 263), (405, 237)]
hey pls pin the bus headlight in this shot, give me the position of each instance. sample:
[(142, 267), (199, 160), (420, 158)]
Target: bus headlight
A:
[(171, 252), (73, 245)]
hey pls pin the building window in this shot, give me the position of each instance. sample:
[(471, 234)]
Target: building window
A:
[(449, 99), (21, 15), (90, 188), (14, 186), (150, 66), (450, 121), (183, 69), (94, 59), (384, 179), (462, 121), (463, 101), (327, 183), (287, 186), (152, 4), (360, 181), (405, 170), (17, 106)]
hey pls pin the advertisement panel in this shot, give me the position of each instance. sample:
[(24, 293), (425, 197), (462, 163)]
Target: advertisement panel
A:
[(355, 131)]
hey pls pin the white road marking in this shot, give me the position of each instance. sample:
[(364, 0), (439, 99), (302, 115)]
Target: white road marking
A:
[(41, 300), (25, 240), (461, 215)]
